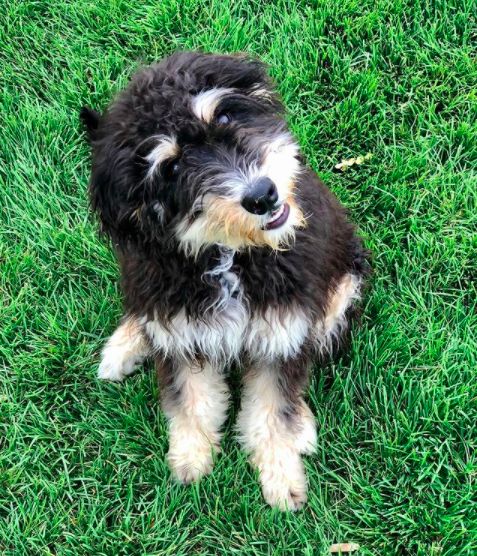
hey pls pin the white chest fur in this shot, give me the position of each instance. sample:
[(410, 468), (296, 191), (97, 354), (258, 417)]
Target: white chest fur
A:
[(227, 329), (218, 338), (227, 333)]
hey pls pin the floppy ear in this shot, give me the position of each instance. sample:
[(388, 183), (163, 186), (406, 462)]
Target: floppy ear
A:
[(90, 119), (112, 190), (115, 184), (100, 186)]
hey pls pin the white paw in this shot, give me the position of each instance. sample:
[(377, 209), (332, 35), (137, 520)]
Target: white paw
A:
[(306, 437), (126, 349), (283, 481), (114, 367), (190, 457)]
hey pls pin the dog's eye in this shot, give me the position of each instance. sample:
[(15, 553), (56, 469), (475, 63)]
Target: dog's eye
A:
[(223, 118), (171, 169)]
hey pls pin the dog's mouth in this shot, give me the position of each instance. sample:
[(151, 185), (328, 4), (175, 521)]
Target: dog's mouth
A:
[(278, 217)]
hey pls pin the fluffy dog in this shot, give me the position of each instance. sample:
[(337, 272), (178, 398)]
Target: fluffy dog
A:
[(231, 250)]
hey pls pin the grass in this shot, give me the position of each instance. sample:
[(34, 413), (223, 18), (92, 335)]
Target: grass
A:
[(82, 467)]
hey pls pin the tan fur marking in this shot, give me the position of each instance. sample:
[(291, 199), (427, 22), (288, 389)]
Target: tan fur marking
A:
[(165, 148), (340, 300), (205, 103)]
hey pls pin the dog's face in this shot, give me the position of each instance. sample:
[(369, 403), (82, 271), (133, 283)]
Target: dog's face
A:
[(196, 150)]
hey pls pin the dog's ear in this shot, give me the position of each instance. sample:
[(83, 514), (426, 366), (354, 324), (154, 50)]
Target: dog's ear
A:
[(113, 190), (90, 119), (114, 186)]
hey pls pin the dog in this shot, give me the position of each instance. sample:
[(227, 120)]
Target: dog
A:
[(231, 250)]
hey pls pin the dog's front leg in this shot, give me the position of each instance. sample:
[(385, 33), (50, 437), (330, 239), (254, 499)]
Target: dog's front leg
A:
[(124, 351), (275, 427), (195, 399)]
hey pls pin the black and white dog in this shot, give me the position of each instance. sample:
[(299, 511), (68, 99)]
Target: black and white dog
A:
[(231, 250)]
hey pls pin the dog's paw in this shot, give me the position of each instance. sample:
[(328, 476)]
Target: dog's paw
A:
[(192, 471), (123, 352), (285, 499), (115, 368), (306, 437), (190, 458), (285, 491), (109, 370), (283, 481)]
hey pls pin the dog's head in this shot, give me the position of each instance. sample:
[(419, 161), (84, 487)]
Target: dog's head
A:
[(196, 150)]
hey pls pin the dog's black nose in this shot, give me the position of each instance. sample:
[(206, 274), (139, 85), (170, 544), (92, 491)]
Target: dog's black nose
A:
[(262, 197)]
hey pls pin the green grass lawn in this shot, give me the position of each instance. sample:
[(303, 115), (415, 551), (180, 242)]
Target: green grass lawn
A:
[(82, 467)]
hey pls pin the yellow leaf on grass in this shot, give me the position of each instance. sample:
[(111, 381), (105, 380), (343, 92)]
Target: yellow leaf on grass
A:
[(343, 547), (347, 163)]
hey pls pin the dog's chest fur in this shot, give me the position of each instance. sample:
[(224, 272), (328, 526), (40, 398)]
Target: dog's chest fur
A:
[(229, 328)]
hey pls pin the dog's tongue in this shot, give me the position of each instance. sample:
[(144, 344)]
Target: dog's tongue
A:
[(280, 218)]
